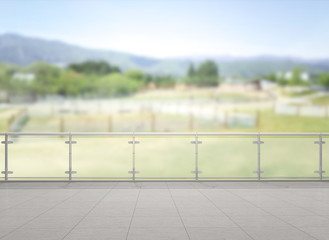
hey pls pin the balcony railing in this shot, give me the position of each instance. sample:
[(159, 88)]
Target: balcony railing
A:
[(163, 156)]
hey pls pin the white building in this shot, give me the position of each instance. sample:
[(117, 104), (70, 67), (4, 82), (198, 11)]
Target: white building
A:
[(24, 76), (304, 76)]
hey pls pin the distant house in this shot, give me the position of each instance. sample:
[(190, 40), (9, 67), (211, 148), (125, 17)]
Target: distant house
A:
[(304, 76), (254, 85), (267, 85), (242, 85), (28, 77)]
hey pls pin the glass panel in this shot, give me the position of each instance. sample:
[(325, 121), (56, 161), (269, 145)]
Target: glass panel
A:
[(161, 157), (325, 157), (289, 157), (2, 157), (35, 157), (230, 157), (102, 157)]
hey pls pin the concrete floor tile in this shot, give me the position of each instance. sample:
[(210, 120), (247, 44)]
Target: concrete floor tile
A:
[(61, 212), (214, 210), (112, 211), (217, 234), (157, 233), (263, 221), (320, 233), (97, 234), (275, 233), (208, 222), (36, 234), (13, 221), (156, 222), (155, 211), (5, 230), (104, 222), (22, 212), (53, 222), (306, 221)]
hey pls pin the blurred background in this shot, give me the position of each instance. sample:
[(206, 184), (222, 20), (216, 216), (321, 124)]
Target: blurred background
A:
[(164, 66)]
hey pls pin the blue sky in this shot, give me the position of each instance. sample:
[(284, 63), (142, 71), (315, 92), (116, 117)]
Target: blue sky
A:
[(174, 28)]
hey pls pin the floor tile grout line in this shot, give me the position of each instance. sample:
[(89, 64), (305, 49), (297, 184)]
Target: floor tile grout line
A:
[(311, 213), (132, 216), (309, 198), (225, 214), (14, 206), (172, 198), (274, 215), (305, 209), (98, 202), (40, 214)]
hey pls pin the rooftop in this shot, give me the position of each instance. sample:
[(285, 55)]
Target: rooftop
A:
[(164, 210)]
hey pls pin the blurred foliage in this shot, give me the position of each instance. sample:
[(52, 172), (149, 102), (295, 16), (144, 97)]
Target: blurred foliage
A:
[(323, 80), (100, 79), (207, 74), (92, 67), (86, 79), (283, 80), (117, 84)]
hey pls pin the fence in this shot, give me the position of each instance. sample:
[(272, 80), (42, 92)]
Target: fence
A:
[(163, 156)]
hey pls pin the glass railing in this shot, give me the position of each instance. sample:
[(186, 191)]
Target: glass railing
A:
[(164, 156)]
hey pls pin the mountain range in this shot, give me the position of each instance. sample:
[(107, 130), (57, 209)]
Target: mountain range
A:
[(22, 50)]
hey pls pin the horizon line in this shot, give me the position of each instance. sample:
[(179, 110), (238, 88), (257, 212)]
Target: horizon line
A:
[(178, 57)]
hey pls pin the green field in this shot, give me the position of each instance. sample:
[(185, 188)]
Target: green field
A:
[(220, 157)]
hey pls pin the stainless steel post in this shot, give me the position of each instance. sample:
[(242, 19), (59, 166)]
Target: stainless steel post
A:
[(196, 158), (259, 172), (70, 171), (70, 157), (196, 171), (6, 171), (133, 172), (320, 142), (134, 177), (258, 157), (6, 157)]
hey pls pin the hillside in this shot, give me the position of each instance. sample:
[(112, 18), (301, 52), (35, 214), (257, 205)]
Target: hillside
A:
[(20, 50)]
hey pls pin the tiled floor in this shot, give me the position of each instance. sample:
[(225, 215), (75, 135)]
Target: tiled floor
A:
[(164, 210)]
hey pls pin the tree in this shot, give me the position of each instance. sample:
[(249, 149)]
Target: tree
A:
[(116, 84), (207, 74), (46, 77), (191, 71), (164, 81), (135, 74), (296, 77), (271, 77), (71, 83), (94, 67), (323, 80)]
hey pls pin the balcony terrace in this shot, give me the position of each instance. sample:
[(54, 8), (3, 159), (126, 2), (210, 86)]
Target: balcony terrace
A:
[(164, 186), (164, 210)]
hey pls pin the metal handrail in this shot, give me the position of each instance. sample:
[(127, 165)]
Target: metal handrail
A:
[(155, 134)]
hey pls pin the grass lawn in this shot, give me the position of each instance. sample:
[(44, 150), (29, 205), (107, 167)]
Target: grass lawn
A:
[(323, 100), (5, 115), (270, 122)]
